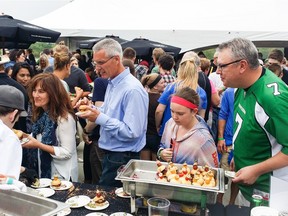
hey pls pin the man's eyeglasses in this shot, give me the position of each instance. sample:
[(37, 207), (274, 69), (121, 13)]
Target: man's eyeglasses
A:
[(221, 66), (95, 64)]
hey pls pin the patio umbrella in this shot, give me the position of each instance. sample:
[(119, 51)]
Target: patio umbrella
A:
[(144, 47), (18, 31), (88, 44), (15, 45)]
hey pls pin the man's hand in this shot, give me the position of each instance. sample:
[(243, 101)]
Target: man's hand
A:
[(91, 114), (247, 175)]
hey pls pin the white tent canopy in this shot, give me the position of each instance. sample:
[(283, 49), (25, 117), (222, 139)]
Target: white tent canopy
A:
[(185, 23)]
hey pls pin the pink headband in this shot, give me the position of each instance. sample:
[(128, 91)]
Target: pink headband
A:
[(183, 102)]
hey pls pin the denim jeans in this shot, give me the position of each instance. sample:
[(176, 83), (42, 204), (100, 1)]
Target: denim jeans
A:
[(111, 162)]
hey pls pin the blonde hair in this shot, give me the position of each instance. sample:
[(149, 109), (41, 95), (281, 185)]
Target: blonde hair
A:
[(187, 74), (61, 60), (60, 47)]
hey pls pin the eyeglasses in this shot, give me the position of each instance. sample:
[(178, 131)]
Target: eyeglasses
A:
[(221, 66), (95, 64)]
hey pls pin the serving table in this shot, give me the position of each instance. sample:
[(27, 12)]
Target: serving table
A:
[(118, 204)]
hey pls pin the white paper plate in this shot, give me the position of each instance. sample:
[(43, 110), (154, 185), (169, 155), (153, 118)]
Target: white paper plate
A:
[(82, 113), (98, 208), (45, 192), (263, 211), (24, 140), (120, 193), (96, 214), (64, 212), (44, 182), (230, 174), (120, 214), (78, 201), (65, 185)]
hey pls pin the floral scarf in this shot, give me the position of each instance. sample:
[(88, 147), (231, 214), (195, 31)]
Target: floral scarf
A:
[(47, 128)]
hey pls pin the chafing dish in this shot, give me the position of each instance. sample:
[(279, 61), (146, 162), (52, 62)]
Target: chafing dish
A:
[(142, 174), (18, 203)]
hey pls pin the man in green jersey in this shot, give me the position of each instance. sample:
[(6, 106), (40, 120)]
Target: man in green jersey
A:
[(260, 118)]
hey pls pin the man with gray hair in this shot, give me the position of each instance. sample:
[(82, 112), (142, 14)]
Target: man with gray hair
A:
[(123, 115), (260, 118)]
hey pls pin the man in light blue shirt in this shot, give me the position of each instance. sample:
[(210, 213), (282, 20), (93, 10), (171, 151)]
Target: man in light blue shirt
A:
[(123, 115)]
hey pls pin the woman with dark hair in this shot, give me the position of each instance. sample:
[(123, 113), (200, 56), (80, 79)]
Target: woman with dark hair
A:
[(16, 56), (154, 84), (53, 140), (22, 73)]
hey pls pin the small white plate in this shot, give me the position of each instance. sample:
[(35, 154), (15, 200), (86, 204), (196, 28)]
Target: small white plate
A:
[(45, 192), (24, 140), (82, 113), (98, 208), (120, 193), (44, 182), (96, 214), (65, 185), (230, 174), (64, 212), (120, 214), (78, 201)]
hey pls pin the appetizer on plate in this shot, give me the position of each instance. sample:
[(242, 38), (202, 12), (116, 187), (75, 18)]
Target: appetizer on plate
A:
[(56, 182)]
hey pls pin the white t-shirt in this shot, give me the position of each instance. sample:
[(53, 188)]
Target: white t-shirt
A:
[(10, 152)]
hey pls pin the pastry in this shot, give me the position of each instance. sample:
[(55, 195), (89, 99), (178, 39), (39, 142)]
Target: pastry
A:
[(56, 182), (82, 108), (99, 199), (18, 133), (161, 178)]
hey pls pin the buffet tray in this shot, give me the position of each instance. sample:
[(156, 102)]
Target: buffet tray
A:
[(142, 175)]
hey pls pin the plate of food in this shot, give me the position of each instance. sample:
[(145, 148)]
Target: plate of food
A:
[(57, 184), (24, 140), (120, 193), (64, 212), (97, 214), (230, 174), (45, 192), (121, 214), (78, 201), (94, 206), (99, 202), (41, 183), (82, 110)]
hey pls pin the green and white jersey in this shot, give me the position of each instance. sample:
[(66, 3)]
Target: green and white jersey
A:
[(261, 129)]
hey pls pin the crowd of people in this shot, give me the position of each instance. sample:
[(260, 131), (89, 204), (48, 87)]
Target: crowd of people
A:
[(228, 112)]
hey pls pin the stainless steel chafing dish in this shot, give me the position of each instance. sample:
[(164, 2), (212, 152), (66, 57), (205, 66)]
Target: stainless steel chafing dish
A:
[(142, 175), (18, 203)]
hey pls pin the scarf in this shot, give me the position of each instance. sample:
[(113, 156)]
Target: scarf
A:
[(47, 128)]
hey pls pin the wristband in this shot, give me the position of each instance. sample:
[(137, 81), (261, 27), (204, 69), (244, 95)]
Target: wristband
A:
[(159, 153), (220, 138)]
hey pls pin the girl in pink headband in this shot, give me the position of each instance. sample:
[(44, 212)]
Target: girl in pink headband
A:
[(186, 137)]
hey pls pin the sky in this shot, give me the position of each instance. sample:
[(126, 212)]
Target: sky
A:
[(28, 10)]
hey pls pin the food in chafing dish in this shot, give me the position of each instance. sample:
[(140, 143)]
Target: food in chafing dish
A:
[(196, 175), (189, 208)]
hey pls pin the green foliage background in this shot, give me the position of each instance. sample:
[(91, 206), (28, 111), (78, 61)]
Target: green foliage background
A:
[(38, 47)]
